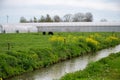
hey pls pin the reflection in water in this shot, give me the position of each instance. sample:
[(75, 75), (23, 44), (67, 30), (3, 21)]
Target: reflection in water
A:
[(57, 70)]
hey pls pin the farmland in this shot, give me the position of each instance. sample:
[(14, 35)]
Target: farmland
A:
[(21, 53)]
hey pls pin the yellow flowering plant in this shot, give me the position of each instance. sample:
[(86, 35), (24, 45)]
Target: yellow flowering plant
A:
[(57, 41), (92, 43), (112, 40)]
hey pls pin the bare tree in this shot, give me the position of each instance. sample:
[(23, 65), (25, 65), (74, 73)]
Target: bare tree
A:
[(57, 18), (68, 18), (88, 17), (78, 17)]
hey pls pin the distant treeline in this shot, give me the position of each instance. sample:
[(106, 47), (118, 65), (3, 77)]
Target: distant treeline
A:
[(77, 17)]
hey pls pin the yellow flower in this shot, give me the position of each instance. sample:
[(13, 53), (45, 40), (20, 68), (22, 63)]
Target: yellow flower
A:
[(111, 38), (1, 79), (53, 38), (90, 40), (97, 35), (60, 39), (91, 36), (57, 38)]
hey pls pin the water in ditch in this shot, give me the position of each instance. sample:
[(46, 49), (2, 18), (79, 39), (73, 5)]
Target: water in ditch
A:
[(57, 70)]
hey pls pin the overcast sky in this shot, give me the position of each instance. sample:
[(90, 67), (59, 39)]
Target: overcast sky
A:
[(108, 9)]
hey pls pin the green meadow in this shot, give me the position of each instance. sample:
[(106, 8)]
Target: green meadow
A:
[(24, 52), (23, 41)]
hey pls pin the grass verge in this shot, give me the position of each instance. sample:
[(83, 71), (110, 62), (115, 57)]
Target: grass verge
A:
[(105, 69)]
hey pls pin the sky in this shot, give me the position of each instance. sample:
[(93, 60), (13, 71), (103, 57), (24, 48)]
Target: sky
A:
[(14, 9)]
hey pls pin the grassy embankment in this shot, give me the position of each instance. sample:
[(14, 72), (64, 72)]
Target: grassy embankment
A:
[(28, 52), (105, 69)]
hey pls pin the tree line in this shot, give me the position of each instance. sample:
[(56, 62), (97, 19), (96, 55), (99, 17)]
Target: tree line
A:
[(77, 17)]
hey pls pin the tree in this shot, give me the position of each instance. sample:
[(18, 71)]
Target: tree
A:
[(103, 20), (30, 21), (42, 19), (78, 17), (57, 18), (48, 18), (88, 17), (35, 19), (68, 18), (23, 20)]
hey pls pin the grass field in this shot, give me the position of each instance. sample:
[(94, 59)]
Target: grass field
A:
[(23, 41), (21, 53), (104, 69), (34, 40)]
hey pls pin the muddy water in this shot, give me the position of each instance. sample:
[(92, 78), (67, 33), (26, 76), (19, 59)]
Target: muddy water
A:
[(57, 70)]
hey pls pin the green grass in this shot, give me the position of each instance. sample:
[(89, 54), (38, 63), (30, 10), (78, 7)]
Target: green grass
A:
[(33, 51), (23, 41), (104, 69)]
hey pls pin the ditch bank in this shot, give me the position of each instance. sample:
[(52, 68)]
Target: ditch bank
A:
[(58, 70)]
